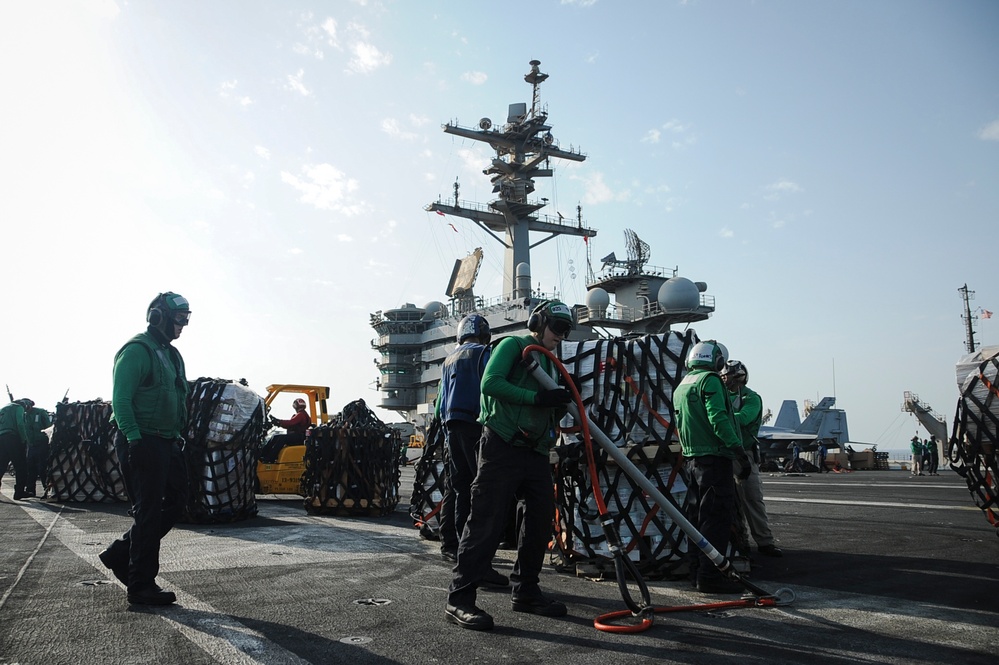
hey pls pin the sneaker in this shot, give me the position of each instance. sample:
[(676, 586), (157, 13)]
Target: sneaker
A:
[(770, 550), (540, 605), (119, 568), (151, 595), (719, 585), (494, 580), (468, 616)]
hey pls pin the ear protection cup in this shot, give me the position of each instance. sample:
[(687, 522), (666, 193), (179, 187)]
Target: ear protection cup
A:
[(539, 319), (155, 313)]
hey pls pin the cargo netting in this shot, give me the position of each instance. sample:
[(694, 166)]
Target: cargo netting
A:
[(432, 476), (82, 466), (223, 434), (975, 440), (352, 464), (224, 431), (627, 389)]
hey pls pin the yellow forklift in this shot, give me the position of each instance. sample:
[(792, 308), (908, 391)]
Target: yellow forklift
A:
[(285, 475)]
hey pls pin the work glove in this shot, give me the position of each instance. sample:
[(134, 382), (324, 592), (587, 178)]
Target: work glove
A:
[(553, 397), (743, 467), (273, 420)]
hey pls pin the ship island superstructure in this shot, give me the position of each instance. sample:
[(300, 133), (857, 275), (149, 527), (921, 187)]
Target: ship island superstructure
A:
[(413, 341)]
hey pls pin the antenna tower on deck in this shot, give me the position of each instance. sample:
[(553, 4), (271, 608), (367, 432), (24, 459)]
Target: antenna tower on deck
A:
[(968, 318)]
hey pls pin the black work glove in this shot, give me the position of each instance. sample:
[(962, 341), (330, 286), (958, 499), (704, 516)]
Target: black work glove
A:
[(743, 467), (553, 397), (273, 420)]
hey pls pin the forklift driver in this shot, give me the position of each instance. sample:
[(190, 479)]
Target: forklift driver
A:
[(295, 426)]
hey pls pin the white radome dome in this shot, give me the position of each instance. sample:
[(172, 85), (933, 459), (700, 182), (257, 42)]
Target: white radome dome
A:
[(433, 310), (597, 301), (679, 293)]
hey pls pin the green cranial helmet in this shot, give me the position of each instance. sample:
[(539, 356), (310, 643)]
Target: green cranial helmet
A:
[(168, 310), (553, 314), (708, 355)]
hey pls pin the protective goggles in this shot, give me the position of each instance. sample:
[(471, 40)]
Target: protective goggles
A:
[(560, 327), (181, 318)]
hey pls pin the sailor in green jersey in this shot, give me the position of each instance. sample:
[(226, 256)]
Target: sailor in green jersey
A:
[(711, 442), (916, 446), (37, 420), (14, 444), (149, 405), (519, 419), (747, 407)]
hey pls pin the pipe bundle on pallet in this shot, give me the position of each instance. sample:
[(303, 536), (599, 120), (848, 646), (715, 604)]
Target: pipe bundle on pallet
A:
[(352, 464)]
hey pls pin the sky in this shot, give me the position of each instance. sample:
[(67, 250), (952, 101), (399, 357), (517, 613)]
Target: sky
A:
[(830, 170)]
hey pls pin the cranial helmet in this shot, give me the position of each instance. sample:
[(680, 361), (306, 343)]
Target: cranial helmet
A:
[(708, 355), (551, 313), (166, 311), (298, 404), (735, 369), (473, 325)]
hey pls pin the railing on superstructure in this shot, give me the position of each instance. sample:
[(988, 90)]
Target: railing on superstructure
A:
[(629, 315), (488, 209)]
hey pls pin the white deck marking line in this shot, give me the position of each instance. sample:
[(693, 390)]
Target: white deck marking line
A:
[(873, 504), (217, 634)]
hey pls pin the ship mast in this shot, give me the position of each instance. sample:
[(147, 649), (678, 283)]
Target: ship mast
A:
[(524, 146), (969, 320)]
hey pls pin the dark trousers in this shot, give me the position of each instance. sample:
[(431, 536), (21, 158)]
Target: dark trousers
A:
[(463, 464), (12, 449), (272, 449), (711, 491), (156, 481), (38, 455), (504, 472)]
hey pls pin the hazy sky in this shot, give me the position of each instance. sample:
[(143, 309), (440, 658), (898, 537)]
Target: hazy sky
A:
[(830, 169)]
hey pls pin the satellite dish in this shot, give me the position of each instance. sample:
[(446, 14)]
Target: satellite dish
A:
[(485, 123)]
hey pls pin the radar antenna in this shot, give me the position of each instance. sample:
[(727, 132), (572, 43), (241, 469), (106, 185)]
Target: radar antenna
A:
[(638, 254)]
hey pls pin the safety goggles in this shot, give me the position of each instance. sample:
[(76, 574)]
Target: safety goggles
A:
[(181, 318), (560, 327)]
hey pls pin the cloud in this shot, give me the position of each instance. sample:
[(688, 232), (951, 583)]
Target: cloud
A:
[(597, 191), (778, 189), (329, 27), (295, 83), (367, 58), (726, 232), (391, 127), (475, 78), (989, 132), (682, 135), (317, 37), (325, 187), (580, 3), (261, 151), (227, 89)]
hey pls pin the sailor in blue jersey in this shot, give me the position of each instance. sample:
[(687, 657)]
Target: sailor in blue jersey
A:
[(458, 409)]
